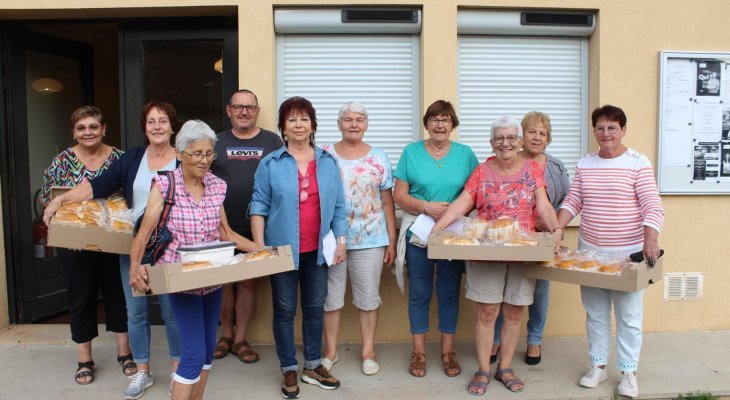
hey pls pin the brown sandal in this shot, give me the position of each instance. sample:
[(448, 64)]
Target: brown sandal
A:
[(451, 366), (223, 347), (417, 367), (245, 353)]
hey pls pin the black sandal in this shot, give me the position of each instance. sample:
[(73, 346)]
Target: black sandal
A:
[(129, 367), (81, 375)]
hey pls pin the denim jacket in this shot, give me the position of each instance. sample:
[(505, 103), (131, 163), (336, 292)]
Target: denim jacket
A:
[(276, 198)]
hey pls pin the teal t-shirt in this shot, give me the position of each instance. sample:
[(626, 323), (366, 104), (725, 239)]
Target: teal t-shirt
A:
[(432, 180)]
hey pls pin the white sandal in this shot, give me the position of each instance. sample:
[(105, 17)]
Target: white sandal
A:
[(327, 363), (370, 367)]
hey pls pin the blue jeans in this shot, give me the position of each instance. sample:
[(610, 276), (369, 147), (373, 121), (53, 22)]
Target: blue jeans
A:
[(138, 320), (420, 289), (538, 314), (197, 316), (312, 280)]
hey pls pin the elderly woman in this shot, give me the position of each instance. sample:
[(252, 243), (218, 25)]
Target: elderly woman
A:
[(430, 175), (505, 185), (536, 129), (367, 177), (615, 175), (133, 173), (196, 217), (298, 198), (84, 272)]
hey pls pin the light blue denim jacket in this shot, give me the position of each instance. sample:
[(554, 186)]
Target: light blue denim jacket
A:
[(276, 198)]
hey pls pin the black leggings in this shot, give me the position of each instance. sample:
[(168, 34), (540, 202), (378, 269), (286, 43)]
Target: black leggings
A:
[(83, 273)]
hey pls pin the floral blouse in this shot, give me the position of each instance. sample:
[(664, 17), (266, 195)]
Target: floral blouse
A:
[(513, 195), (362, 180), (66, 169)]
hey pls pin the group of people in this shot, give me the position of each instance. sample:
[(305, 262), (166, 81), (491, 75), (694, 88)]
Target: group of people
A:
[(256, 189)]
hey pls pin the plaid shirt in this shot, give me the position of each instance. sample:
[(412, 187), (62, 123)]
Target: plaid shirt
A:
[(191, 222)]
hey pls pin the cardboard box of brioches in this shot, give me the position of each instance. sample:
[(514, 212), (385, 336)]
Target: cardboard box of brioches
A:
[(82, 235), (632, 278), (541, 249), (177, 277)]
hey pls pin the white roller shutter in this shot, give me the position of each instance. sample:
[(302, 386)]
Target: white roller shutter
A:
[(380, 71), (506, 75)]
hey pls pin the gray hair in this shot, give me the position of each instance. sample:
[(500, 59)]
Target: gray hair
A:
[(353, 106), (192, 131), (506, 122)]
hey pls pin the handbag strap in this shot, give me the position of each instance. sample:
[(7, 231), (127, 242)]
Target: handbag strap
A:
[(169, 199)]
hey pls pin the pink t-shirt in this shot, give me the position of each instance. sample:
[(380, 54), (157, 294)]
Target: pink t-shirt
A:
[(512, 195), (309, 213)]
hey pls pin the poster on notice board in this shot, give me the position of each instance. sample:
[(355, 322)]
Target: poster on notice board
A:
[(694, 128)]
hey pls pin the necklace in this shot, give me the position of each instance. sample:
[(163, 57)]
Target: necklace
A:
[(438, 150)]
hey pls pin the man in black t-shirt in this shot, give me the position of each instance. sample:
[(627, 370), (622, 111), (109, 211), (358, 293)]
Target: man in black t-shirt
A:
[(239, 151)]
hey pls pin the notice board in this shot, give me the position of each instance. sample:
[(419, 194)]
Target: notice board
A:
[(694, 123)]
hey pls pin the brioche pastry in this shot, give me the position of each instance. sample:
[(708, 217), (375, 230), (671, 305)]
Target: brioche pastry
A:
[(195, 265), (121, 225), (503, 229), (260, 255), (566, 264), (458, 240), (611, 268), (589, 264)]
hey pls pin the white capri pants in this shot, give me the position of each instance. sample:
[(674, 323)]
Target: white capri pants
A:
[(365, 266), (628, 308)]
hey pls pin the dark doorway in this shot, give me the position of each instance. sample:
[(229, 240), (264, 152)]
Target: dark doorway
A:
[(48, 77), (194, 69), (121, 64)]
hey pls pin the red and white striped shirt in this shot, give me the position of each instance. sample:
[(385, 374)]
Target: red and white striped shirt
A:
[(616, 198)]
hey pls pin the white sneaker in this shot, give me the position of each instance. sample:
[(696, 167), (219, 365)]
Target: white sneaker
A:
[(327, 363), (370, 367), (139, 382), (628, 386), (593, 377)]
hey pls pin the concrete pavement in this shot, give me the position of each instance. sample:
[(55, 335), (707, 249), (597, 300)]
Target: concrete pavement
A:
[(38, 362)]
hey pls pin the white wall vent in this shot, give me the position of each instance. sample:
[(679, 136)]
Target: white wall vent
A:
[(683, 285)]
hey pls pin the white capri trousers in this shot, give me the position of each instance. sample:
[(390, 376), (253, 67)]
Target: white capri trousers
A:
[(365, 267), (628, 307)]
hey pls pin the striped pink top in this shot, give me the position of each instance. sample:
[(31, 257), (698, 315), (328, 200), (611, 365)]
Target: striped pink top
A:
[(192, 222), (616, 198)]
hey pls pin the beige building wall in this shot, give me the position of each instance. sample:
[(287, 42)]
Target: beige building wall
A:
[(624, 70)]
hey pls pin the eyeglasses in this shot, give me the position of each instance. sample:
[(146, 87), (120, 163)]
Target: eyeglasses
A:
[(91, 127), (198, 156), (437, 121), (248, 107), (509, 139), (303, 195), (611, 129)]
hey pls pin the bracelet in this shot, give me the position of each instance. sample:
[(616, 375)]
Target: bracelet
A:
[(425, 203), (556, 228), (342, 240)]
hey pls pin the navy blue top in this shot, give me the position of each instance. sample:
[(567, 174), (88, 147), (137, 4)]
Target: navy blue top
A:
[(121, 174)]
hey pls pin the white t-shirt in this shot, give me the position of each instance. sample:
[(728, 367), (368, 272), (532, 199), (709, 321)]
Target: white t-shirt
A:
[(143, 182)]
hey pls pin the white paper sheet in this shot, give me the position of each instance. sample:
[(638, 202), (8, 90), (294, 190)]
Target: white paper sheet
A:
[(329, 244), (422, 226)]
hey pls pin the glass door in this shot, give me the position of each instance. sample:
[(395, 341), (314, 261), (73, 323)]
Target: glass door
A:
[(48, 78), (193, 69)]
